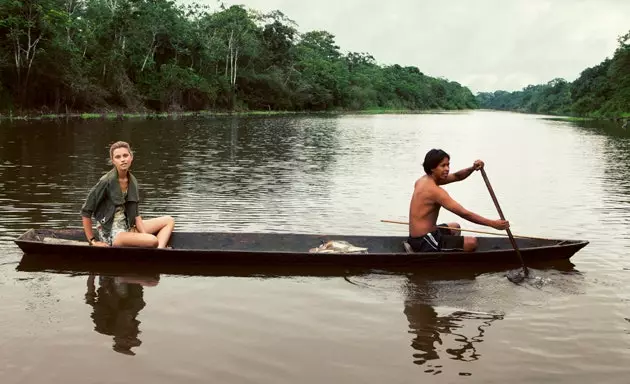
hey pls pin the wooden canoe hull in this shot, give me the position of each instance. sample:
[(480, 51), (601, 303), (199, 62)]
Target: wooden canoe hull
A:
[(267, 249)]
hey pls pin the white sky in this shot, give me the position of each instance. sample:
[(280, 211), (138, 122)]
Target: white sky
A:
[(485, 45)]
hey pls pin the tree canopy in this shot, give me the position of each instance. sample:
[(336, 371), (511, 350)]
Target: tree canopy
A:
[(97, 55), (599, 91)]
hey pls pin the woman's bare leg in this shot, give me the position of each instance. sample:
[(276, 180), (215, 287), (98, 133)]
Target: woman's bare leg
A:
[(135, 239), (161, 227)]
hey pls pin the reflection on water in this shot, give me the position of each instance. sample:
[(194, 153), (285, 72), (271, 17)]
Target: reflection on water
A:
[(116, 304), (431, 329), (238, 167), (319, 174), (446, 324), (452, 335), (438, 313)]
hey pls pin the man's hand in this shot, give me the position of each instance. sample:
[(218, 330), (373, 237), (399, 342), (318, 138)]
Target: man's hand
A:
[(99, 244), (477, 165), (501, 224)]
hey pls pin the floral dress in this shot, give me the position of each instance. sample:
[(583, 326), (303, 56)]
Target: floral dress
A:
[(119, 224)]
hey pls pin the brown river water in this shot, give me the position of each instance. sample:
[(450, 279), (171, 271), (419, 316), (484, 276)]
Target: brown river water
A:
[(321, 174)]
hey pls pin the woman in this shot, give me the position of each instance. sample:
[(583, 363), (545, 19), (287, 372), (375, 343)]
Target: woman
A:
[(113, 202)]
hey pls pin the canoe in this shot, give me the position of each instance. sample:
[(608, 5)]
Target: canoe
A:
[(287, 249), (74, 266)]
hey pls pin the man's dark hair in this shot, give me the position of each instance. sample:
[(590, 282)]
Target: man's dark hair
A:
[(433, 158)]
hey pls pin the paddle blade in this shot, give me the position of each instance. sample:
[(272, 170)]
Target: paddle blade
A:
[(517, 276)]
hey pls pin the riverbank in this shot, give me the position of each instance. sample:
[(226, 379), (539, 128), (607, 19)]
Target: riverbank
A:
[(620, 118), (117, 115), (35, 116), (131, 115)]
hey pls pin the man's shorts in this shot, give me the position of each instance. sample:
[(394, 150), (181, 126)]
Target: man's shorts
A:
[(440, 240)]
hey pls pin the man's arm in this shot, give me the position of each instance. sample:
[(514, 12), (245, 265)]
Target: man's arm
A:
[(443, 198), (464, 173), (459, 175)]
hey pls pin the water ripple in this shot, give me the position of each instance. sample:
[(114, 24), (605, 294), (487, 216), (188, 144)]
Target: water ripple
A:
[(318, 174)]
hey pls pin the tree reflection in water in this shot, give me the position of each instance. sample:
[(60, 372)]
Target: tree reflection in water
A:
[(116, 304)]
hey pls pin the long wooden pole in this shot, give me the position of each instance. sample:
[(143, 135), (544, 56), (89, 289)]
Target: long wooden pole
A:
[(509, 232), (470, 230)]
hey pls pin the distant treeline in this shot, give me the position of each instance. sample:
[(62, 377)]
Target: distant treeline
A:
[(600, 91), (156, 55)]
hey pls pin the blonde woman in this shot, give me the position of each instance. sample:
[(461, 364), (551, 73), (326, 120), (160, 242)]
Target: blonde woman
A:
[(113, 203)]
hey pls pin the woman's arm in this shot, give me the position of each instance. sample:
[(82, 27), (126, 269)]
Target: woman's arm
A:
[(89, 234), (87, 227), (140, 225), (94, 197)]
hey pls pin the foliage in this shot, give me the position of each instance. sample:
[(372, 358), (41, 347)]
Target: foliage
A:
[(602, 90), (143, 55)]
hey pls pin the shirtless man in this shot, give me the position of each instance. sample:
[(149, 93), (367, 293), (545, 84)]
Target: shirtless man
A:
[(428, 197)]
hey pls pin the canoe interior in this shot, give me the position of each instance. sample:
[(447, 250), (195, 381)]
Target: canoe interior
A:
[(286, 243)]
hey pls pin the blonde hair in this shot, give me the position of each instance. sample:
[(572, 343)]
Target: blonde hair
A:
[(119, 144)]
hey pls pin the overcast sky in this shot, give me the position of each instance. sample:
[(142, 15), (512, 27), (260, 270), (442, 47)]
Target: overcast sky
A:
[(486, 45)]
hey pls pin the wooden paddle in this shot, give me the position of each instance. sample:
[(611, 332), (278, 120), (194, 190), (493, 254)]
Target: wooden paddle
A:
[(496, 204), (471, 230)]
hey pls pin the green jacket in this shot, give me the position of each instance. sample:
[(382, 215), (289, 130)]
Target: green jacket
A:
[(103, 198)]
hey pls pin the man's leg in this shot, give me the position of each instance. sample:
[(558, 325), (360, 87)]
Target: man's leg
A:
[(458, 243), (454, 232), (422, 244), (470, 243)]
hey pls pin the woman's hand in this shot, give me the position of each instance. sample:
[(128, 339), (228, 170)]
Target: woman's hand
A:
[(99, 244)]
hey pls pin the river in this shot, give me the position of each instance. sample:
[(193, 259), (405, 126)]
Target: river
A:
[(321, 174)]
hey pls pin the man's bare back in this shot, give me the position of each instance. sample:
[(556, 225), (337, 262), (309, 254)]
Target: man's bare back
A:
[(424, 209)]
